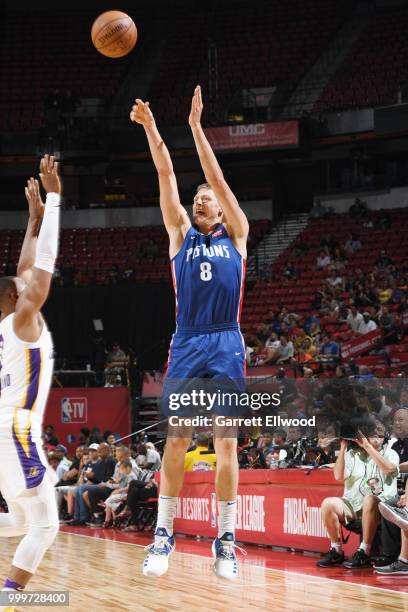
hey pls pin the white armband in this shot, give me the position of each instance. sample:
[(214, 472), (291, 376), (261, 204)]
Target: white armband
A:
[(47, 244)]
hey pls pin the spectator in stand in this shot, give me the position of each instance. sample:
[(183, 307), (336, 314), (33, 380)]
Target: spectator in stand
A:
[(354, 319), (334, 280), (329, 350), (367, 325), (309, 320), (318, 211), (64, 464), (84, 435), (265, 442), (372, 460), (384, 293), (98, 475), (323, 260), (125, 476), (386, 321), (390, 533), (272, 342), (116, 363), (383, 260), (285, 351), (290, 272), (153, 461), (200, 459), (279, 443), (353, 244), (70, 477), (359, 208), (49, 436)]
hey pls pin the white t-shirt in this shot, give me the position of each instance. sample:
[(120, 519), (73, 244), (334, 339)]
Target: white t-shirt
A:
[(354, 322), (359, 468), (152, 456), (365, 328)]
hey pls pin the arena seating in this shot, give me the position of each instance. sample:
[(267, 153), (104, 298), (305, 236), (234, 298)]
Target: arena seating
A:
[(101, 254), (297, 295), (375, 68), (285, 48), (44, 51)]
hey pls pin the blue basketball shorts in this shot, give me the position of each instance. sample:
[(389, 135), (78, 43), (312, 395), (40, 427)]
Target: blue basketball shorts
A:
[(208, 369)]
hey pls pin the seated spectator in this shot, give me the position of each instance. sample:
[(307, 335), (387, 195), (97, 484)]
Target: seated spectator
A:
[(284, 352), (272, 342), (390, 532), (290, 272), (94, 496), (353, 244), (334, 280), (329, 350), (64, 463), (97, 478), (87, 465), (318, 210), (372, 461), (397, 514), (279, 443), (386, 320), (139, 491), (49, 436), (323, 260), (359, 208), (265, 442), (367, 325), (116, 364), (200, 459), (153, 461), (70, 477), (383, 260), (112, 503), (354, 319)]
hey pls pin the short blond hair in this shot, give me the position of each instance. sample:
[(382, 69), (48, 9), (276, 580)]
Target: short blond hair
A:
[(203, 186)]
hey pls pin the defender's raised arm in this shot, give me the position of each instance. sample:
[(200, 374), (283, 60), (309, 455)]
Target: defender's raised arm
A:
[(175, 216), (27, 325)]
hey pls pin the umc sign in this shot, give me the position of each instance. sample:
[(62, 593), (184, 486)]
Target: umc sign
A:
[(74, 410)]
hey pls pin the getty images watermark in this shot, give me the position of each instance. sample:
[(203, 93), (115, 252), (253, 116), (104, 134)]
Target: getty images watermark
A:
[(228, 400)]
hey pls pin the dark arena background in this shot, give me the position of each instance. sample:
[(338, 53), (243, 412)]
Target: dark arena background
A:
[(306, 108)]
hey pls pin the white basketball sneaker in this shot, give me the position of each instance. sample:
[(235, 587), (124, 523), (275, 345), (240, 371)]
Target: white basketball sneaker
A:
[(225, 564), (156, 562)]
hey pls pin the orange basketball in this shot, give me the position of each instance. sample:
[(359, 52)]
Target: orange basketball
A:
[(114, 34)]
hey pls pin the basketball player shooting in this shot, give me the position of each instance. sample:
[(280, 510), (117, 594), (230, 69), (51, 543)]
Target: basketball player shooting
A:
[(208, 267), (26, 365)]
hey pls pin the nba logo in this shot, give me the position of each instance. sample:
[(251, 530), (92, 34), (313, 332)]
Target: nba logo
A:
[(74, 410)]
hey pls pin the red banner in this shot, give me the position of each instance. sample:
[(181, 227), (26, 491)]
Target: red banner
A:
[(71, 409), (254, 136), (362, 344), (274, 507)]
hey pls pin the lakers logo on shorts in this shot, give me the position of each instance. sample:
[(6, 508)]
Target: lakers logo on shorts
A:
[(33, 473)]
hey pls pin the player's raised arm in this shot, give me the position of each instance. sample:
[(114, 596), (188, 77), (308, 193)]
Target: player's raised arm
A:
[(32, 298), (36, 212), (235, 219), (175, 216)]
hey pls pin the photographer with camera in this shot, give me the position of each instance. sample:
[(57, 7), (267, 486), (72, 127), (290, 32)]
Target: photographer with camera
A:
[(369, 469)]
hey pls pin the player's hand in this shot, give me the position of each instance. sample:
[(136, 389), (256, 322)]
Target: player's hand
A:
[(49, 174), (35, 204), (196, 108), (141, 113)]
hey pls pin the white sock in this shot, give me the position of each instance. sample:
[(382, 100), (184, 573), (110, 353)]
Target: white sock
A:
[(365, 547), (166, 513), (227, 514), (402, 559), (337, 546)]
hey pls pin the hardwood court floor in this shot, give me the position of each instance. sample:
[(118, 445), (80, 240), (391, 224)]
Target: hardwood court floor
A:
[(103, 572)]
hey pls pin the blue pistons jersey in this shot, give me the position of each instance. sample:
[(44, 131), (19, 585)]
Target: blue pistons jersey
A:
[(208, 276)]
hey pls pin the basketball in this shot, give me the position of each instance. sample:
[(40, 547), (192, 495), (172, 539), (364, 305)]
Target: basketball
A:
[(114, 34)]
